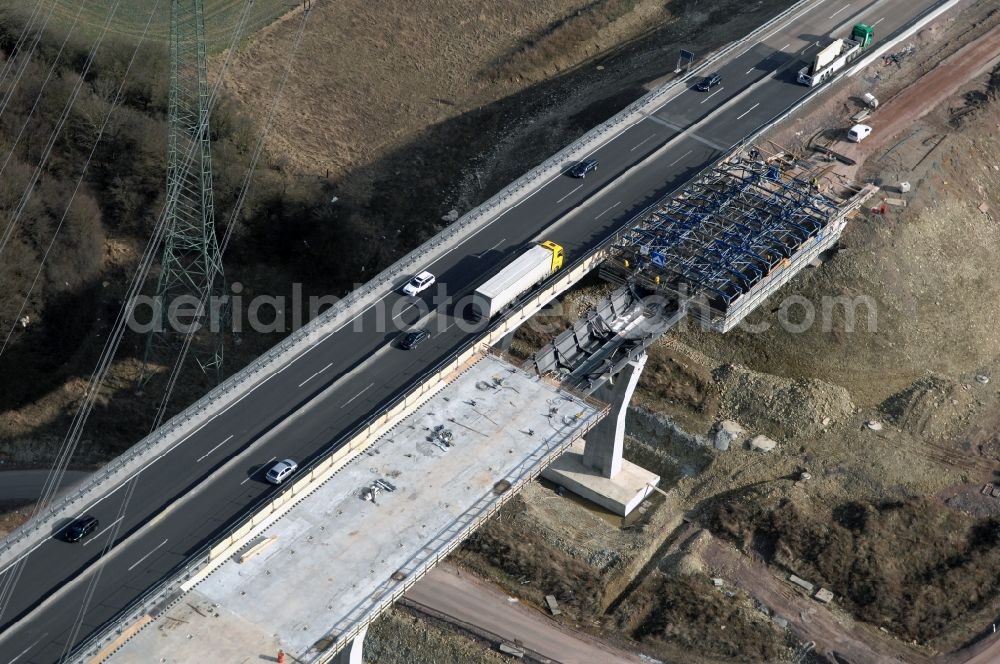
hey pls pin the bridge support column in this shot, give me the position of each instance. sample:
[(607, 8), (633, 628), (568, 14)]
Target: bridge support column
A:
[(352, 653), (504, 344), (596, 470)]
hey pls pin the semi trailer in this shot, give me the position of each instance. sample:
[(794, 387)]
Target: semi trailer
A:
[(837, 55), (523, 273)]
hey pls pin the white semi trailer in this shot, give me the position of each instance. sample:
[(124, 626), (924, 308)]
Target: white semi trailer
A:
[(523, 273), (837, 55)]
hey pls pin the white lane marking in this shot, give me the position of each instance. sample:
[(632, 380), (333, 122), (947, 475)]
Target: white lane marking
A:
[(305, 351), (840, 10), (785, 46), (357, 395), (23, 652), (740, 117), (878, 21), (276, 372), (781, 27), (302, 354), (568, 195), (749, 71), (608, 210), (304, 382), (347, 323), (138, 562), (103, 530), (721, 88), (220, 444), (405, 309), (681, 157), (502, 240), (641, 142), (447, 327)]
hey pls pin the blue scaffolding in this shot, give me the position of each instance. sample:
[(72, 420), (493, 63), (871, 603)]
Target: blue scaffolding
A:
[(725, 233)]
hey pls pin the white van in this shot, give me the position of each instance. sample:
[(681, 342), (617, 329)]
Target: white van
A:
[(858, 133)]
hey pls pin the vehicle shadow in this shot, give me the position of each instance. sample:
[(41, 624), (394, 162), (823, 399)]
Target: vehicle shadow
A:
[(256, 472)]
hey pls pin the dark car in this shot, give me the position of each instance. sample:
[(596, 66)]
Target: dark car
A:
[(80, 528), (709, 82), (584, 167), (413, 339)]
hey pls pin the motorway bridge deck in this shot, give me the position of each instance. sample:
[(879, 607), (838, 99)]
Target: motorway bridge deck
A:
[(57, 594)]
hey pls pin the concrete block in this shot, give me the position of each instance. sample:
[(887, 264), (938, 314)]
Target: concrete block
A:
[(762, 444), (824, 595), (513, 651), (801, 583), (619, 494), (728, 431)]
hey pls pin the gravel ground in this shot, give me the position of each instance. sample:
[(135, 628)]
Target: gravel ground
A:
[(399, 637)]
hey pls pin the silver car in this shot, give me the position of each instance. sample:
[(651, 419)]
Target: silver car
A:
[(281, 470)]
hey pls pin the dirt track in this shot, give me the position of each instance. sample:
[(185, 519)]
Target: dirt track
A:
[(466, 599), (900, 113), (810, 620)]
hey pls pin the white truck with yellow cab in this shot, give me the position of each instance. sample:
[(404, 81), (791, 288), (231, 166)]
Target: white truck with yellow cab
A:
[(520, 275)]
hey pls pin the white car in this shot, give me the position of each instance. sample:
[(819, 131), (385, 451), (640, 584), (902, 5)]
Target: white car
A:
[(281, 470), (418, 284), (858, 133)]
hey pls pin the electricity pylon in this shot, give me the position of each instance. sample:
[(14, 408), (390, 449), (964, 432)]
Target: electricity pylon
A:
[(192, 264)]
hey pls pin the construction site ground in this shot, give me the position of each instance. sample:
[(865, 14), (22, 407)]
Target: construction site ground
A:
[(893, 415)]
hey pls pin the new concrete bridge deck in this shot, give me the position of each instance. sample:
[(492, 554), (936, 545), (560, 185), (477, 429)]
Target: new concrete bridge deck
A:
[(328, 566)]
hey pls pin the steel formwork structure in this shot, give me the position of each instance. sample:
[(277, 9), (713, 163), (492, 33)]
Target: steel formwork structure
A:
[(729, 234)]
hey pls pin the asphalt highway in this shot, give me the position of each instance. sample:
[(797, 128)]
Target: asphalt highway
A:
[(62, 592)]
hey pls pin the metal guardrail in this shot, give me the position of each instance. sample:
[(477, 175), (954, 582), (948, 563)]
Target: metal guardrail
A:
[(200, 559), (359, 299)]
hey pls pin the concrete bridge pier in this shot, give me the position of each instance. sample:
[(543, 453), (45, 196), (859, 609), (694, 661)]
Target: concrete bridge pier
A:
[(596, 469), (504, 344), (352, 653)]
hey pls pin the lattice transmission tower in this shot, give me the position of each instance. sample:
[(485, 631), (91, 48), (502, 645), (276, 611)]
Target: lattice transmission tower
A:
[(192, 263)]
